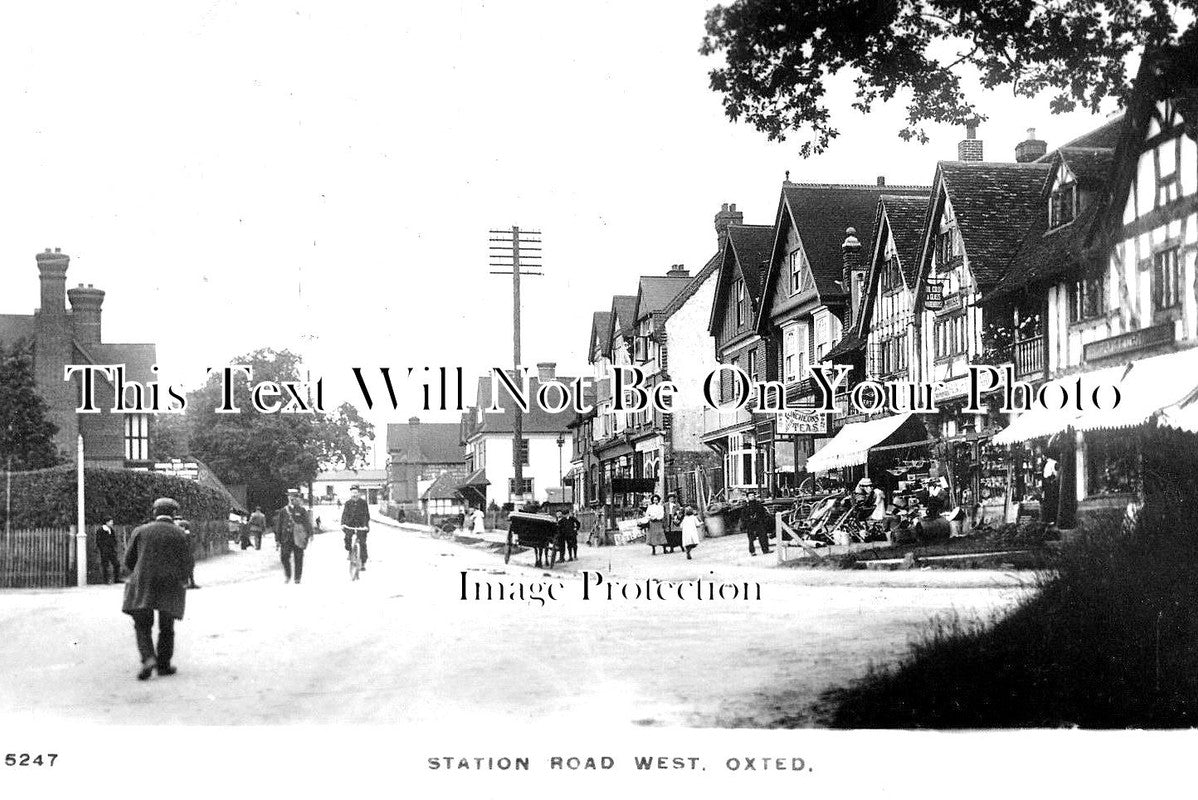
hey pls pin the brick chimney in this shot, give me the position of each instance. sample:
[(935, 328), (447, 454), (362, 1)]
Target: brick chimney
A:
[(728, 216), (86, 302), (1030, 148), (53, 269), (853, 269), (970, 148), (678, 271), (881, 180), (546, 371)]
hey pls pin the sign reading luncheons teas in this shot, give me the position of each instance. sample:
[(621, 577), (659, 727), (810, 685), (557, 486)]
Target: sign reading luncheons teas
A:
[(797, 423)]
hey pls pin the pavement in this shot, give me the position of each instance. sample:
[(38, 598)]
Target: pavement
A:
[(401, 646)]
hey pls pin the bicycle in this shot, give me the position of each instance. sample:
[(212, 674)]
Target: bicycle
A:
[(355, 551)]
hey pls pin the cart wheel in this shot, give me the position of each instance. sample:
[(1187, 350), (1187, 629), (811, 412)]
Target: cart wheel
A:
[(507, 551)]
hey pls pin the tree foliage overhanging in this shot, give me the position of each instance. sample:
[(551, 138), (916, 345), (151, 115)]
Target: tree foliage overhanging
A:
[(26, 435), (779, 54)]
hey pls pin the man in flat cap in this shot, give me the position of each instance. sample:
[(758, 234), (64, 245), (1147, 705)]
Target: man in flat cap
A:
[(159, 562), (293, 530), (355, 518)]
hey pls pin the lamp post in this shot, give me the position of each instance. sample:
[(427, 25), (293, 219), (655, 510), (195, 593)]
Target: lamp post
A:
[(561, 440)]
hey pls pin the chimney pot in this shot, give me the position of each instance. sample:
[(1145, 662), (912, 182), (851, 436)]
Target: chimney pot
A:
[(881, 180), (413, 420), (546, 370), (971, 131)]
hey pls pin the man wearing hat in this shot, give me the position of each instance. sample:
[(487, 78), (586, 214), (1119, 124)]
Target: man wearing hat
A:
[(293, 530), (159, 561), (356, 514)]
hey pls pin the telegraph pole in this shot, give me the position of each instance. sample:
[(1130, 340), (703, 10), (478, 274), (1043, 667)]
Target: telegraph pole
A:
[(513, 249)]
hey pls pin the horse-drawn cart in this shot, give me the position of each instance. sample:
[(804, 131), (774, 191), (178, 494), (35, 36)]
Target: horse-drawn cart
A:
[(538, 531)]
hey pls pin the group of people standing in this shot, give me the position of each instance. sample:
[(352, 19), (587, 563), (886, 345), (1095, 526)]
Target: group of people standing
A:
[(670, 526)]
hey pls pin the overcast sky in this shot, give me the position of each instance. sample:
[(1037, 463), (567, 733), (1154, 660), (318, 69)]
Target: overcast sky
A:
[(239, 175)]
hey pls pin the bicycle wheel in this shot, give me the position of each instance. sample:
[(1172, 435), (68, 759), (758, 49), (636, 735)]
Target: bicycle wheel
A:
[(355, 560)]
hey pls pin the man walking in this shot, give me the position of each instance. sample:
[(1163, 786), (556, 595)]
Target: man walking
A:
[(293, 530), (756, 521), (159, 561), (355, 518), (257, 526), (106, 545)]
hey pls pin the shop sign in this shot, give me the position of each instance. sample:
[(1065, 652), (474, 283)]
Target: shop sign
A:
[(1129, 342), (800, 423), (933, 295), (179, 469), (955, 387)]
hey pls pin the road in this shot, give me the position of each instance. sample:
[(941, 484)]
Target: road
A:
[(400, 646)]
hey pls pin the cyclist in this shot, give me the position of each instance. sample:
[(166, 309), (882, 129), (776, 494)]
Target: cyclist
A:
[(355, 518)]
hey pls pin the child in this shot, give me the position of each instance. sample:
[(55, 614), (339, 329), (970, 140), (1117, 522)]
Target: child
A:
[(690, 530)]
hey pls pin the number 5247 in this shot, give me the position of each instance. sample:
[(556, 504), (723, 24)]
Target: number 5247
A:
[(30, 759)]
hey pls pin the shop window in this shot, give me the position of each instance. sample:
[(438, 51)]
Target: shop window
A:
[(1087, 299), (742, 460), (1166, 279), (1112, 464)]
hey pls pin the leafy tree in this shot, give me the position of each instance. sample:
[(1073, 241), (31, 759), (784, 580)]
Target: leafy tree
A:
[(779, 55), (26, 435), (270, 453), (172, 434)]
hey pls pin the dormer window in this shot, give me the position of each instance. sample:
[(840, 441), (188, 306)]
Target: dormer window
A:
[(1062, 205), (740, 303)]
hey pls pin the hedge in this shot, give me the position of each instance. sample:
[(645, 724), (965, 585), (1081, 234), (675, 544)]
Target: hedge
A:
[(46, 498)]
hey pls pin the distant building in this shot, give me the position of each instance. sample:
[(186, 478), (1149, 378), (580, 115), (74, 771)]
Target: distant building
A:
[(62, 336), (420, 451), (334, 486)]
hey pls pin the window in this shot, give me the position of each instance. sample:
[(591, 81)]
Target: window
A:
[(945, 246), (1112, 464), (950, 336), (525, 486), (753, 365), (891, 356), (740, 303), (1087, 299), (1166, 279), (137, 437), (1062, 205), (796, 270), (521, 452), (741, 460), (890, 275), (1168, 176), (789, 348)]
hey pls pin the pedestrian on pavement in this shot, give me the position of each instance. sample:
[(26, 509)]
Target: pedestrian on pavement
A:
[(159, 560), (185, 526), (756, 521), (670, 521), (237, 531), (572, 528), (355, 514), (257, 526), (690, 530), (106, 545), (293, 531), (478, 520), (656, 513)]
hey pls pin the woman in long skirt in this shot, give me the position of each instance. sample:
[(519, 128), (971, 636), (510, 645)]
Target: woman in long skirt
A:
[(657, 532)]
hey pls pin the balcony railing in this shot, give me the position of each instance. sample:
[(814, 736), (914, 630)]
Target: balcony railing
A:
[(1029, 356)]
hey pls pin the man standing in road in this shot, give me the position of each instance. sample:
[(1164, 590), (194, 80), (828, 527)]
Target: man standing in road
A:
[(159, 561), (756, 521), (257, 526), (106, 544), (356, 514), (293, 530), (567, 527)]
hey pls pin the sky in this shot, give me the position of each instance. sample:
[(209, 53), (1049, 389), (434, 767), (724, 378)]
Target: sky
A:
[(323, 176)]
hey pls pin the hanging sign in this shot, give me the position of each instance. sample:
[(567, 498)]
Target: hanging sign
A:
[(933, 296)]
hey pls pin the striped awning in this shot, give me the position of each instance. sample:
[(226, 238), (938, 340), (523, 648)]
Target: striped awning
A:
[(851, 446)]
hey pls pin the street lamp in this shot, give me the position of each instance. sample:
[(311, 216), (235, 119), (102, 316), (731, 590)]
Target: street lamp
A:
[(561, 440)]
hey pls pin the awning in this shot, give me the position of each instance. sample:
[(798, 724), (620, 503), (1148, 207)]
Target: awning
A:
[(851, 446), (1182, 417), (1150, 386), (477, 478), (1038, 421)]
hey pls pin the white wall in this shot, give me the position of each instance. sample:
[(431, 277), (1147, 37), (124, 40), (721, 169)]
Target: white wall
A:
[(690, 350), (542, 464)]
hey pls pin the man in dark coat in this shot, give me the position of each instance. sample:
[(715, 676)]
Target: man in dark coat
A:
[(159, 561), (757, 522), (567, 527), (356, 514), (293, 529), (106, 545), (257, 526)]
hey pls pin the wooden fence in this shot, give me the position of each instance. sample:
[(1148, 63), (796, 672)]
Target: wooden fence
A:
[(45, 557)]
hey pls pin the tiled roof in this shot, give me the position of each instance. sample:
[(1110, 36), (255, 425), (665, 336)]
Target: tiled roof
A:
[(601, 330), (752, 244), (821, 213), (907, 218), (846, 345), (536, 420), (995, 205), (656, 292), (1105, 135), (15, 326), (445, 487), (624, 311), (137, 358), (426, 442), (1090, 165)]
